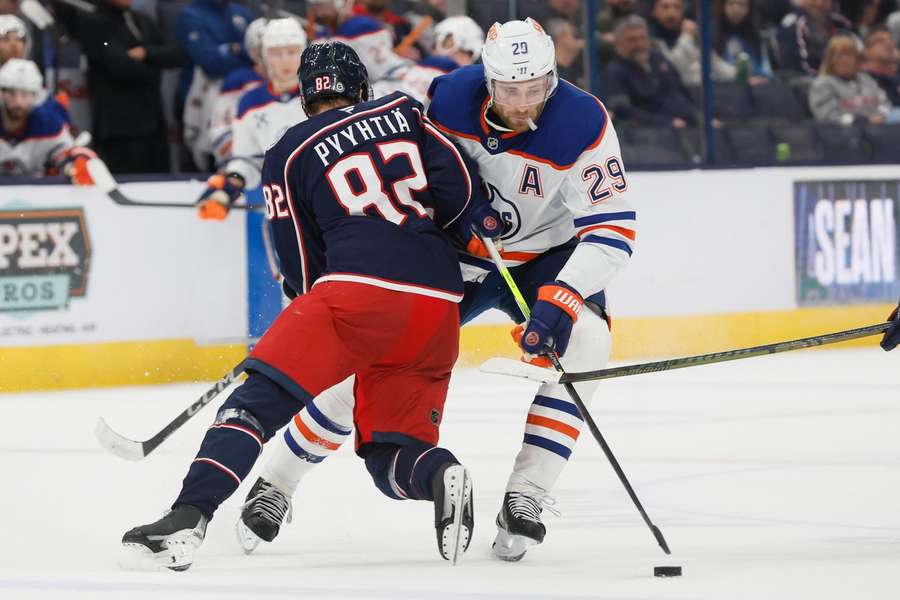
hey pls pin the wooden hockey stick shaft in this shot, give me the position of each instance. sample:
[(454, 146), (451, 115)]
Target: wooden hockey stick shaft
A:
[(576, 398), (413, 36)]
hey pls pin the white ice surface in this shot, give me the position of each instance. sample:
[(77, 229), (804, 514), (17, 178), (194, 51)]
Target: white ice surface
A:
[(774, 477)]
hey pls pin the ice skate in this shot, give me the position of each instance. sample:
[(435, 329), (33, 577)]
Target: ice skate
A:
[(454, 517), (169, 542), (519, 524), (265, 509)]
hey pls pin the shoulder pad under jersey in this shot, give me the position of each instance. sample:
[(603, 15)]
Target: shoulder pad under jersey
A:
[(255, 98), (456, 99)]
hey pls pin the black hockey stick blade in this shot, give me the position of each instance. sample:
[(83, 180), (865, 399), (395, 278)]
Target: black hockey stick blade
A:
[(137, 450), (660, 539)]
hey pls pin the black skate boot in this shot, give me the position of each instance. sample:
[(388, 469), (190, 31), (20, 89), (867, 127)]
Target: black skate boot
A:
[(169, 542), (264, 511), (519, 524), (454, 516)]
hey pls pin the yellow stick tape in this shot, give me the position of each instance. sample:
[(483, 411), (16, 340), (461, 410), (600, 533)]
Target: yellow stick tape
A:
[(114, 364), (665, 337)]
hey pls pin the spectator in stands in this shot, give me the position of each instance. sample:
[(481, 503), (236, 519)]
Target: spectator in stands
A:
[(126, 53), (805, 32), (569, 50), (842, 94), (773, 11), (880, 62), (737, 40), (641, 85), (677, 39), (567, 10), (13, 38), (607, 20), (211, 32)]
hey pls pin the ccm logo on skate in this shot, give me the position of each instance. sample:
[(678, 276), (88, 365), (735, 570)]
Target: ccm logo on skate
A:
[(44, 258)]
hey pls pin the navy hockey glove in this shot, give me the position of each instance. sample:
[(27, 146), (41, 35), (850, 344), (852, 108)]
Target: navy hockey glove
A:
[(478, 221), (221, 192), (892, 335), (550, 326)]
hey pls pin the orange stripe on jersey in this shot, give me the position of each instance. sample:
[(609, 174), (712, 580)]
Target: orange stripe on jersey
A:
[(629, 233), (312, 437), (521, 256), (554, 425)]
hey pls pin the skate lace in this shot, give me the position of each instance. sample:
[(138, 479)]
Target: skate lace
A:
[(530, 506), (272, 504)]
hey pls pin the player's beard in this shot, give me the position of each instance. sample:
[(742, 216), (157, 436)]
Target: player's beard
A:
[(15, 116)]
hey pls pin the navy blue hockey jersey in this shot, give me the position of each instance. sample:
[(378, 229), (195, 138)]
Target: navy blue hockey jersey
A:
[(359, 193)]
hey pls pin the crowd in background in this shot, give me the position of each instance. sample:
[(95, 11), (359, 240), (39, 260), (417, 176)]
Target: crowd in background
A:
[(800, 80)]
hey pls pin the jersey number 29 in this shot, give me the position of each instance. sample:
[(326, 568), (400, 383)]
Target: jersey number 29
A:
[(373, 193)]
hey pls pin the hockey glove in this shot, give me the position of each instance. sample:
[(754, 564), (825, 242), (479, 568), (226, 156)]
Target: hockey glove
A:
[(221, 192), (481, 220), (550, 326), (74, 165), (892, 335)]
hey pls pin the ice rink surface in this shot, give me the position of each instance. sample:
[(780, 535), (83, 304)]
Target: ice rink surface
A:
[(774, 477)]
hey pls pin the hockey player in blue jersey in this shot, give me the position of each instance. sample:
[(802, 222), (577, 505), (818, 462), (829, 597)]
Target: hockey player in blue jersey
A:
[(357, 197), (549, 156)]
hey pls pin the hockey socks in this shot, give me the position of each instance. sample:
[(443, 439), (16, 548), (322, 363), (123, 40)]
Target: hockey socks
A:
[(249, 417), (405, 472)]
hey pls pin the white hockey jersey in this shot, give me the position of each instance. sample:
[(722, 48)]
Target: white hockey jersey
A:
[(225, 109), (262, 118), (565, 179), (414, 79), (39, 147)]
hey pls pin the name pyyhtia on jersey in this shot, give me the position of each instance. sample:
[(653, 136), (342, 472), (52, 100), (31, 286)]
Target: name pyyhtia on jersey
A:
[(563, 180), (349, 200)]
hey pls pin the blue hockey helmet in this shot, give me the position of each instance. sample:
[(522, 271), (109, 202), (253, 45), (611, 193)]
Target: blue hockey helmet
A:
[(332, 69)]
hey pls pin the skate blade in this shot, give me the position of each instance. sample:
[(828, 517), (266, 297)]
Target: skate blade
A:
[(246, 538), (455, 537), (137, 557), (511, 548)]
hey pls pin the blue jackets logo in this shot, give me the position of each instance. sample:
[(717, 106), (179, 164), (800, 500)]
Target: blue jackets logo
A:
[(45, 257)]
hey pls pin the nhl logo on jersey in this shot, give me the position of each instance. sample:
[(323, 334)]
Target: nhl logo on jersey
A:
[(435, 416), (493, 143)]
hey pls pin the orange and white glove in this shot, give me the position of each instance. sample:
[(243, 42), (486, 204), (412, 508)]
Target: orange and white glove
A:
[(74, 165), (221, 192)]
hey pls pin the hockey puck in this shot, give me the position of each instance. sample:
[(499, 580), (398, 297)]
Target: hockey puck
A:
[(667, 571)]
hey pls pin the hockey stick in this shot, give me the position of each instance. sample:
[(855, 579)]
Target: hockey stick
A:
[(595, 431), (104, 180), (132, 450), (514, 368)]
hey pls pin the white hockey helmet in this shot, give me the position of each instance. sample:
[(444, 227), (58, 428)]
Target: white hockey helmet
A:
[(21, 74), (13, 24), (519, 51), (283, 32), (465, 32), (253, 34)]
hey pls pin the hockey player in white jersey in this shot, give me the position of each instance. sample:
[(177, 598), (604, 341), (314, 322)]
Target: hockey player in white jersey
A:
[(233, 87), (550, 157), (34, 136), (458, 42), (264, 113)]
